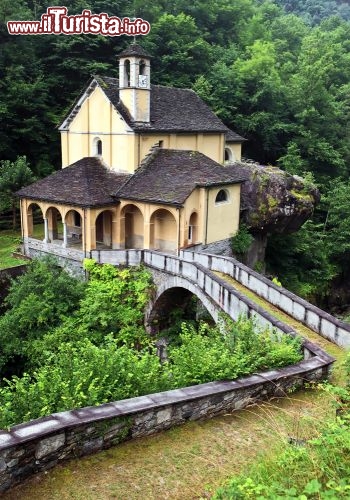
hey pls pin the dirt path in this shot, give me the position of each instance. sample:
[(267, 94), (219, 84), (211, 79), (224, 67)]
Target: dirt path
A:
[(191, 461)]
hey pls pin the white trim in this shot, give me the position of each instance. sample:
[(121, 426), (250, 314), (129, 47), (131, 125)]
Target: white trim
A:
[(64, 127)]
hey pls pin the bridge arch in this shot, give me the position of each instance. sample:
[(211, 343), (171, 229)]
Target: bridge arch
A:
[(176, 291)]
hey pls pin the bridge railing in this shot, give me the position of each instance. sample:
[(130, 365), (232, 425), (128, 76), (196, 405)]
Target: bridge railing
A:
[(319, 321), (228, 299)]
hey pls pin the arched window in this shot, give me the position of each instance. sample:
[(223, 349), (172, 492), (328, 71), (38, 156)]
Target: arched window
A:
[(97, 147), (142, 67), (127, 73), (222, 196), (229, 156), (77, 219)]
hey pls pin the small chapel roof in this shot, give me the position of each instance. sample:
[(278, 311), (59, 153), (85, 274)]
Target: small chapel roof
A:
[(134, 49), (171, 110), (169, 176), (166, 176), (87, 183), (232, 136)]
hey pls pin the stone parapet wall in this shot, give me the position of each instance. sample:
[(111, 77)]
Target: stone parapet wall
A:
[(69, 258), (41, 444), (117, 257), (319, 321)]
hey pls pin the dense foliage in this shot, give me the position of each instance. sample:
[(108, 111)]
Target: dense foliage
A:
[(85, 345), (319, 468), (314, 11), (37, 301), (277, 72)]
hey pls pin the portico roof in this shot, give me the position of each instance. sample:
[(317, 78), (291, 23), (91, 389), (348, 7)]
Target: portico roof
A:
[(87, 183)]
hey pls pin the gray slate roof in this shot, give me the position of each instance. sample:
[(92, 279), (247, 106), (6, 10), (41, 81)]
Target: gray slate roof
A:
[(231, 136), (85, 183), (134, 50), (169, 176), (172, 110)]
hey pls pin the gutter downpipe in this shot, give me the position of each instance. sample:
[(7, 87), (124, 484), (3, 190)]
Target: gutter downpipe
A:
[(206, 218)]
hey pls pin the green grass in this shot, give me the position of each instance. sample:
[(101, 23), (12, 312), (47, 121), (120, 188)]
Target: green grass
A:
[(9, 242)]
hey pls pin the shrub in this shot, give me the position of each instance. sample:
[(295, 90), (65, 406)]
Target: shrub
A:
[(242, 240), (79, 373)]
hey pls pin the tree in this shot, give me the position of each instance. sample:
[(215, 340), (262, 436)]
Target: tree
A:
[(13, 176), (37, 301)]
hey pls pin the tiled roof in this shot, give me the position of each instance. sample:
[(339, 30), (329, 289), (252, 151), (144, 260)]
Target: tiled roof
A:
[(134, 50), (169, 176), (231, 136), (84, 183), (172, 110)]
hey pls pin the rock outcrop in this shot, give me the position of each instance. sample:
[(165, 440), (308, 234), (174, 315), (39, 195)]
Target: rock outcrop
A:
[(273, 201)]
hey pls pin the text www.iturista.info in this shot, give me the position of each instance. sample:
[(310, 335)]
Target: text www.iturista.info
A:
[(57, 22)]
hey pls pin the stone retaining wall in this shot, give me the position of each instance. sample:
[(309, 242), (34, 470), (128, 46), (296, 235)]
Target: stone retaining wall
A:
[(41, 444), (69, 258), (325, 324)]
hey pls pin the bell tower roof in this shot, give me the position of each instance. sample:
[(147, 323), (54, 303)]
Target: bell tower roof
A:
[(134, 50)]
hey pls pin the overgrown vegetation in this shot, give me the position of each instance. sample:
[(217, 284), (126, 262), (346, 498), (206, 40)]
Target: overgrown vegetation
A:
[(73, 344), (318, 468), (241, 241)]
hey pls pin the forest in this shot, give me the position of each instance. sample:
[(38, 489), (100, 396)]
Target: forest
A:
[(277, 73)]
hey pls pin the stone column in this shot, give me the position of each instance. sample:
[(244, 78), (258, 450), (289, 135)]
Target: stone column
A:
[(115, 232), (146, 233), (65, 235), (46, 229)]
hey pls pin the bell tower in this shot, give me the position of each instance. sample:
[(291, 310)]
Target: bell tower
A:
[(135, 82)]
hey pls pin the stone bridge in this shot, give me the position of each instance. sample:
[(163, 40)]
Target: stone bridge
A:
[(191, 273)]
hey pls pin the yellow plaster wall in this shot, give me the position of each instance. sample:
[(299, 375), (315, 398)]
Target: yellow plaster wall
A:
[(137, 102), (212, 145), (97, 118), (223, 218), (236, 150)]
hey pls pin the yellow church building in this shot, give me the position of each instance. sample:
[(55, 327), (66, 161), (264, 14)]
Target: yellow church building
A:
[(143, 166)]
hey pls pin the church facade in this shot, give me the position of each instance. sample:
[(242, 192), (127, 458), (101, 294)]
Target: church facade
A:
[(143, 166)]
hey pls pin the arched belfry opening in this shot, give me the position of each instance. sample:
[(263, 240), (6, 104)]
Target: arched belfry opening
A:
[(134, 78), (127, 73), (142, 67)]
